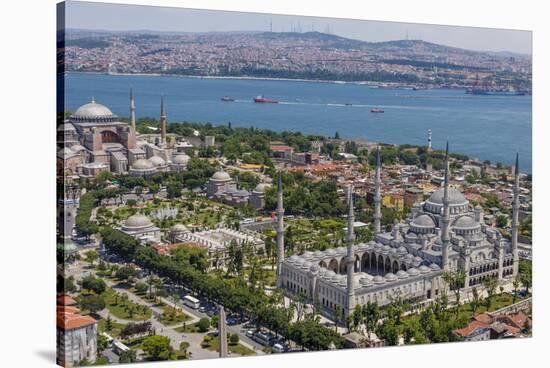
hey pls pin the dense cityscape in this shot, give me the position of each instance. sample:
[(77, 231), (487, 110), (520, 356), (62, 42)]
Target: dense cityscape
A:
[(174, 234), (296, 55)]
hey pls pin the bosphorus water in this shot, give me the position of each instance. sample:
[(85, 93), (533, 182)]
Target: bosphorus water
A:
[(487, 127)]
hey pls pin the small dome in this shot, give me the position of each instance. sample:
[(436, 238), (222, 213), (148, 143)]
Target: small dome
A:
[(402, 274), (423, 221), (365, 281), (434, 267), (180, 159), (378, 279), (390, 276), (417, 259), (423, 269), (329, 274), (137, 221), (178, 228), (413, 271), (307, 264), (465, 222), (157, 161), (142, 164), (314, 268), (402, 250), (260, 188), (409, 256), (221, 176), (319, 253), (293, 258), (331, 251)]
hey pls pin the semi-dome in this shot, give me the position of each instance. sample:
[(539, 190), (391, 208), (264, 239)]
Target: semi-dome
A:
[(142, 164), (423, 221), (137, 221), (157, 161), (221, 176), (466, 222)]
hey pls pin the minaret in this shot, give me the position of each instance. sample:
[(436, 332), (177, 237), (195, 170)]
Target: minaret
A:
[(132, 110), (377, 199), (429, 140), (350, 259), (280, 230), (515, 218), (222, 333), (445, 219), (162, 122)]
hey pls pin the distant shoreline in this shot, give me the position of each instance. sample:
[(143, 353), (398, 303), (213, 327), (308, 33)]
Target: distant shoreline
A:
[(361, 83)]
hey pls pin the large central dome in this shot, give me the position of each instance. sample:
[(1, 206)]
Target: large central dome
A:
[(457, 202), (93, 112), (455, 197)]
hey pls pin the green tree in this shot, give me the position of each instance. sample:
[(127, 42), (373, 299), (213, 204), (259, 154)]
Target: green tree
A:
[(234, 339), (128, 356), (490, 284), (158, 347), (91, 256), (203, 325), (92, 303)]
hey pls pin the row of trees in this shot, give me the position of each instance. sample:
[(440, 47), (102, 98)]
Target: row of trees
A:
[(234, 294)]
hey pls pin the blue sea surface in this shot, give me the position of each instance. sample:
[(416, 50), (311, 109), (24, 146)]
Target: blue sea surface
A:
[(486, 127)]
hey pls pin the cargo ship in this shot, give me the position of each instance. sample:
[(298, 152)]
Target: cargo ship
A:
[(494, 92), (227, 99), (262, 99)]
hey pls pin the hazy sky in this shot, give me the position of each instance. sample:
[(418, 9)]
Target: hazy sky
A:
[(119, 17)]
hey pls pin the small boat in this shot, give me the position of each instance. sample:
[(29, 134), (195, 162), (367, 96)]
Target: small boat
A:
[(262, 99), (227, 99), (376, 110), (349, 104)]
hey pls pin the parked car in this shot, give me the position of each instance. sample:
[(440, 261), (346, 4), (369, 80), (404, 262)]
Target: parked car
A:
[(278, 348), (249, 333)]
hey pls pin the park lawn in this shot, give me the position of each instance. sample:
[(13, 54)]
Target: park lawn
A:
[(499, 301), (189, 328), (239, 349), (121, 309), (171, 316), (115, 330)]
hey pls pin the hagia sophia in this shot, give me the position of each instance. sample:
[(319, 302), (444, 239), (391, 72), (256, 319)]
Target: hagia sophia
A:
[(443, 233), (95, 140)]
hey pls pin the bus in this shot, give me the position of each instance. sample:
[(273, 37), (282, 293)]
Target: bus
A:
[(264, 339), (191, 302), (119, 347)]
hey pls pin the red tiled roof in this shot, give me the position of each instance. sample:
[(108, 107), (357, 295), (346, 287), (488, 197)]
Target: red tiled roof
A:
[(67, 309), (466, 331), (484, 318), (280, 148), (65, 300), (70, 321)]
